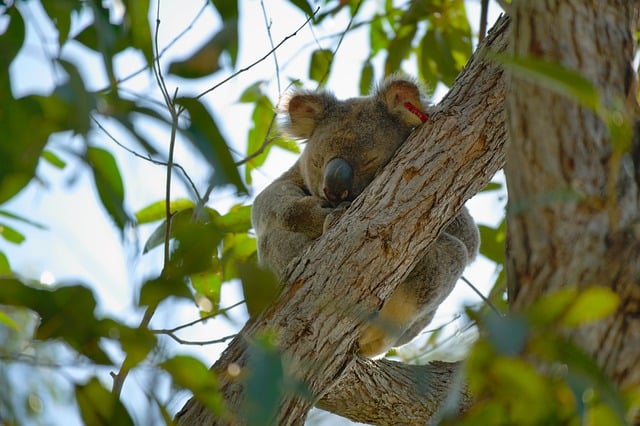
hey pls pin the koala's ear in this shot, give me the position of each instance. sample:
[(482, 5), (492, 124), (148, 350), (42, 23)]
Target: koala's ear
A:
[(403, 100), (305, 109)]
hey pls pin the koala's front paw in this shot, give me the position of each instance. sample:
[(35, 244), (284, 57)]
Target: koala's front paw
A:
[(334, 215)]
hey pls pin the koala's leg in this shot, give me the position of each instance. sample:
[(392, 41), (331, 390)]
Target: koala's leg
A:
[(389, 323), (432, 280)]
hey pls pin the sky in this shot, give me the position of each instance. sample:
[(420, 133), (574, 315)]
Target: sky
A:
[(82, 244)]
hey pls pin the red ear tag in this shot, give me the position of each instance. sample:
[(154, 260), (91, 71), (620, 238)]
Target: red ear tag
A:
[(412, 108)]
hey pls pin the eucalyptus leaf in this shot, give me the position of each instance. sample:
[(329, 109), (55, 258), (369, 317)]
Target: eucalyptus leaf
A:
[(109, 184), (98, 406)]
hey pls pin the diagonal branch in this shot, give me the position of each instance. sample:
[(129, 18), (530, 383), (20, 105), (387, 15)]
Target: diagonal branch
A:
[(373, 247)]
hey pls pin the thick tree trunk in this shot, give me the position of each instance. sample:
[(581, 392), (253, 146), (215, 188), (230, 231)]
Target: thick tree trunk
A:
[(373, 247), (574, 215)]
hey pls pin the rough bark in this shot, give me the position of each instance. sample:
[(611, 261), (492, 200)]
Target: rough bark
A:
[(573, 217), (373, 247)]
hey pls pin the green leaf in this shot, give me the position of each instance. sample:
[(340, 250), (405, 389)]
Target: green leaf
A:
[(378, 38), (66, 313), (22, 219), (108, 183), (204, 135), (98, 406), (399, 49), (492, 186), (71, 104), (60, 12), (190, 373), (5, 267), (13, 38), (554, 77), (137, 343), (237, 219), (206, 60), (549, 309), (208, 284), (53, 159), (236, 248), (156, 211), (263, 119), (304, 6), (366, 78), (264, 383), (228, 9), (136, 21), (492, 242), (321, 61), (158, 289), (7, 321), (260, 287), (591, 304), (197, 245), (11, 235)]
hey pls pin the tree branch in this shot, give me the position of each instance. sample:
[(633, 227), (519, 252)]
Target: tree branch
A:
[(327, 300)]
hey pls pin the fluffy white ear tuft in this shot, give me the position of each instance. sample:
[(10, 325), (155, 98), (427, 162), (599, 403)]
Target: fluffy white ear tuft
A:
[(403, 100), (305, 110)]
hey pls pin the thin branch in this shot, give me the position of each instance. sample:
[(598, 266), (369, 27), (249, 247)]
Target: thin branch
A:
[(483, 297), (268, 23), (147, 158), (248, 67), (342, 36), (484, 10), (190, 342), (202, 319), (164, 50), (267, 141)]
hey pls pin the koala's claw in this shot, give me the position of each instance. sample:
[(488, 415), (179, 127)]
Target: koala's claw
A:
[(335, 214)]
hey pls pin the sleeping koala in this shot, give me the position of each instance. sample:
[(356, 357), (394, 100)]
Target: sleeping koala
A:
[(348, 143)]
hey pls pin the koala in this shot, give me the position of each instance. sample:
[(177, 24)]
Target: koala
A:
[(347, 143)]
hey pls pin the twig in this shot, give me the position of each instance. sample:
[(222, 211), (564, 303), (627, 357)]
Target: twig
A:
[(164, 50), (342, 36), (194, 322), (190, 342), (147, 158), (483, 297), (248, 67), (268, 24), (484, 6)]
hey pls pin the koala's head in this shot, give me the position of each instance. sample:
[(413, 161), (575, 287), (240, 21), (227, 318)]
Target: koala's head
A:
[(349, 141)]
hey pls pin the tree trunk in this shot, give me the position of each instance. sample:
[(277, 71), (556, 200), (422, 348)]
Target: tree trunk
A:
[(573, 217), (322, 309)]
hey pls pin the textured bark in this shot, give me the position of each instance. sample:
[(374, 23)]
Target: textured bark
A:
[(573, 211), (396, 393), (373, 247)]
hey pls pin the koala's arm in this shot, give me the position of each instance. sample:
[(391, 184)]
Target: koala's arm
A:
[(286, 219)]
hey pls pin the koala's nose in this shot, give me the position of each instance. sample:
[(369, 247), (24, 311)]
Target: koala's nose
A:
[(338, 180)]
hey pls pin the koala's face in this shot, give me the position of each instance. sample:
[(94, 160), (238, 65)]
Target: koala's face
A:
[(348, 142)]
